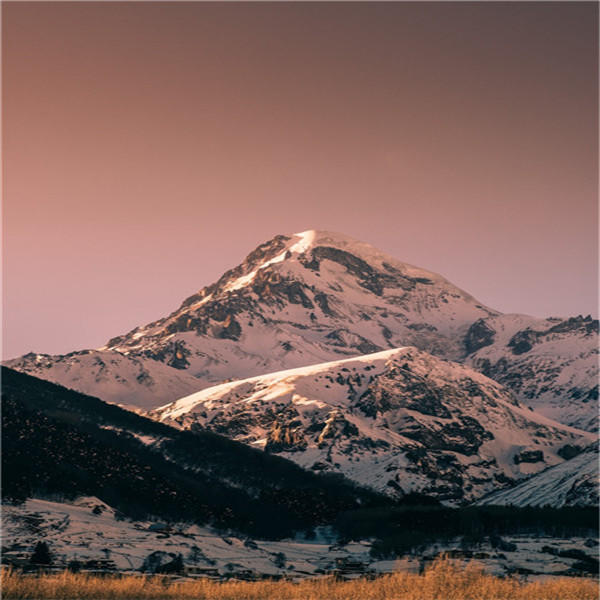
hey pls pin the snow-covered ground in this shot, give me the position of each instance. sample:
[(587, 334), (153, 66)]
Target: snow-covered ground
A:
[(550, 364), (74, 532), (572, 483)]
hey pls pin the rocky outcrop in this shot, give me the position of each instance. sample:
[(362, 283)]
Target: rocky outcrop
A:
[(523, 341), (529, 456), (400, 387), (336, 427), (286, 437), (479, 335), (398, 421)]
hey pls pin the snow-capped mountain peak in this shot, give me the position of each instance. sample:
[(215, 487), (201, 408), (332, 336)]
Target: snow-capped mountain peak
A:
[(318, 296), (321, 281)]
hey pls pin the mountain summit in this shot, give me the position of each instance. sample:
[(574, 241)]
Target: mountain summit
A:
[(351, 297), (317, 296), (295, 300)]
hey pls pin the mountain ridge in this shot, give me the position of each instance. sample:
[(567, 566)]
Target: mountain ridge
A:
[(318, 296), (397, 421), (58, 441)]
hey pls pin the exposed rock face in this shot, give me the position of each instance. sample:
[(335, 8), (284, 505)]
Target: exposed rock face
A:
[(568, 451), (399, 421), (336, 427), (530, 456), (479, 335), (400, 387), (285, 438), (465, 436), (522, 341), (173, 354)]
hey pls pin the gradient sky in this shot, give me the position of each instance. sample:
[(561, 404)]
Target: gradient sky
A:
[(148, 147)]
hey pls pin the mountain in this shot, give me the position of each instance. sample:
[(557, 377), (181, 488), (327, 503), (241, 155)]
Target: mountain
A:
[(572, 483), (550, 364), (315, 297), (397, 421), (135, 381), (63, 444), (295, 300)]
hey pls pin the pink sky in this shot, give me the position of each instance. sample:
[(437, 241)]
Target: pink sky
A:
[(148, 147)]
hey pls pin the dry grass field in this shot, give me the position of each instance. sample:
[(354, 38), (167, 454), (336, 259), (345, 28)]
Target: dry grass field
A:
[(442, 581)]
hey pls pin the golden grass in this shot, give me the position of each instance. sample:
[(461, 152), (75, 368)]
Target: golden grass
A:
[(442, 581)]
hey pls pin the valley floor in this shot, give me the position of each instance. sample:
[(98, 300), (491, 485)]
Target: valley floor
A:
[(90, 535), (441, 580)]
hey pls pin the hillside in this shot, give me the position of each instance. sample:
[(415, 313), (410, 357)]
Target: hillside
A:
[(550, 364), (397, 421), (61, 443), (572, 483)]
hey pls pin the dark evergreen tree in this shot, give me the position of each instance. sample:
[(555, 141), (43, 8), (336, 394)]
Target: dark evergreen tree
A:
[(175, 566), (41, 555)]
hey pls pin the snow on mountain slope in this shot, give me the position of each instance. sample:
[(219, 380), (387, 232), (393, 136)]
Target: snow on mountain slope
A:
[(550, 364), (399, 420), (295, 300), (318, 296), (572, 483), (136, 381)]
